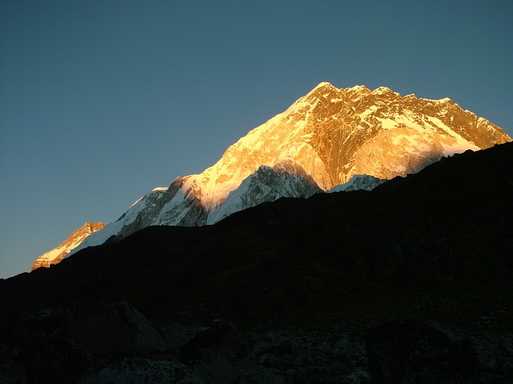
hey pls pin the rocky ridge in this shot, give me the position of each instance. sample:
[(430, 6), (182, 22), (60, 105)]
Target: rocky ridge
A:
[(74, 240)]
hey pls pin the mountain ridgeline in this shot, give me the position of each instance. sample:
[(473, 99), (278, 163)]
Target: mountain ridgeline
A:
[(321, 141)]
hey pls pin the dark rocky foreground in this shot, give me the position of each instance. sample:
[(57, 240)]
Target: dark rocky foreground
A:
[(409, 283)]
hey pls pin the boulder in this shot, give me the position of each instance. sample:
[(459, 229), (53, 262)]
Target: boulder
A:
[(410, 352), (219, 339), (114, 328), (48, 359)]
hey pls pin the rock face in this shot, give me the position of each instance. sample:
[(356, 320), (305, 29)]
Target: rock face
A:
[(74, 239), (326, 137)]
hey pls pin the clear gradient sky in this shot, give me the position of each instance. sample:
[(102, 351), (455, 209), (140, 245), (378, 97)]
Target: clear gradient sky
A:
[(101, 101)]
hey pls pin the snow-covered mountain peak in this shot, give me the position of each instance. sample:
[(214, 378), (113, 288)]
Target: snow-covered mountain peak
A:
[(322, 84), (321, 141), (358, 182), (384, 91), (334, 134)]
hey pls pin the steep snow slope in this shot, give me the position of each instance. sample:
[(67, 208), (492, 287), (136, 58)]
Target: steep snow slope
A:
[(285, 178), (140, 214)]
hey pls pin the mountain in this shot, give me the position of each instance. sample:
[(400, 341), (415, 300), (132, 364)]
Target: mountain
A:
[(414, 277), (324, 138), (74, 239)]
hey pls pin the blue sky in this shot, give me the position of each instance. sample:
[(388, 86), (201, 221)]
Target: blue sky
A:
[(101, 101)]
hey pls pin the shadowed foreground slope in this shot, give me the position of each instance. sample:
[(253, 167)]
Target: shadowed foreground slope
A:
[(435, 246)]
